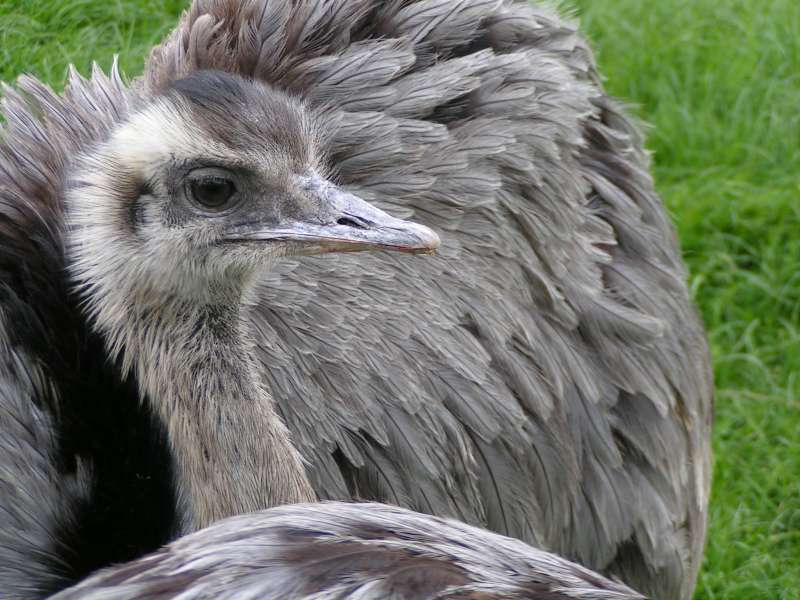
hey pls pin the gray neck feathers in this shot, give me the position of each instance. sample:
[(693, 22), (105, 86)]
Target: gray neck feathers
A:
[(193, 360)]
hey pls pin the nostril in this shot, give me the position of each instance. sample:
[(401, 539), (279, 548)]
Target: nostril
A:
[(347, 222)]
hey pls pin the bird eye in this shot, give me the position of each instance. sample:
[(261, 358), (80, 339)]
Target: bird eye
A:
[(212, 192)]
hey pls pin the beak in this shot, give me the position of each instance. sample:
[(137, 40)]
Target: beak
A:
[(337, 221)]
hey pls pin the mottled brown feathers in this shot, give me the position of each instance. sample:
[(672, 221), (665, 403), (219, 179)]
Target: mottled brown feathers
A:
[(340, 551)]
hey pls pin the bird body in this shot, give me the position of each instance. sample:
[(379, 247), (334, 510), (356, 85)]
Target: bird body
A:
[(340, 551), (545, 376)]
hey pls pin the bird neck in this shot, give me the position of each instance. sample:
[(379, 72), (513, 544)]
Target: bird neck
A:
[(233, 453)]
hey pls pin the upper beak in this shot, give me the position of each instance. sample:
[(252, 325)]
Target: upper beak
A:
[(338, 221)]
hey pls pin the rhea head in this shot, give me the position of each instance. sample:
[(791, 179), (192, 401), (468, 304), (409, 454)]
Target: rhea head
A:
[(203, 186), (168, 223)]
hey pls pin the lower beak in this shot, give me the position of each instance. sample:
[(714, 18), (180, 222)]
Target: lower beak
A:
[(349, 225)]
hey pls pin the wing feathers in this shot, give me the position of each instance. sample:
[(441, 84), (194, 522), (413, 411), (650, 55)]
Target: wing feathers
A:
[(546, 374)]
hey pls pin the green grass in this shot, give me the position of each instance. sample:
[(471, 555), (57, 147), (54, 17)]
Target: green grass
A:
[(42, 37), (719, 80)]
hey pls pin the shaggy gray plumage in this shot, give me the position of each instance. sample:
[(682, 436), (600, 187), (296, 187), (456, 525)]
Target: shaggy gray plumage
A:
[(337, 551), (546, 376)]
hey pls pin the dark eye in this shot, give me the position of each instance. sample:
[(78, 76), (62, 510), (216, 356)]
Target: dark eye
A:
[(212, 192)]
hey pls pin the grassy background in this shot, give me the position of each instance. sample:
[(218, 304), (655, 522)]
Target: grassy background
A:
[(719, 80)]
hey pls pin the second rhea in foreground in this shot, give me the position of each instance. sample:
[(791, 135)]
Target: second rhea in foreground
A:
[(341, 551)]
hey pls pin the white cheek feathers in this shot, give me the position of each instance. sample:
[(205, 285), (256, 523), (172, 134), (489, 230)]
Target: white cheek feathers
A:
[(120, 252)]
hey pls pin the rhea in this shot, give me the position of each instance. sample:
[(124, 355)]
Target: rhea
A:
[(347, 551), (168, 221), (545, 376)]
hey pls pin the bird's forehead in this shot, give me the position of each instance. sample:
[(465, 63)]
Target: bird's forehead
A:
[(229, 130), (162, 132), (243, 114)]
